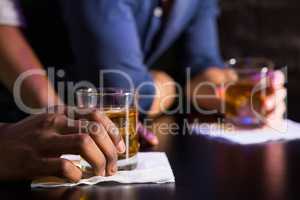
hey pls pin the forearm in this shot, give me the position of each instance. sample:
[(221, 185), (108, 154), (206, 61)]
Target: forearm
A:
[(18, 57)]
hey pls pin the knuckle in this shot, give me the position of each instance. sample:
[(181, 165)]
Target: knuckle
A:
[(111, 126), (50, 120), (84, 141), (113, 130), (95, 127), (100, 133)]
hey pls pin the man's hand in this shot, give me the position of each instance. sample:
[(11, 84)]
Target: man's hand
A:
[(274, 103), (208, 83), (32, 148)]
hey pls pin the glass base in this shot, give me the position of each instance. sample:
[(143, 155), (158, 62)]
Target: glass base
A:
[(128, 164), (245, 122), (123, 165)]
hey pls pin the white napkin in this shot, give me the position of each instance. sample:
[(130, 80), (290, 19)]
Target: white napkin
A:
[(152, 167), (286, 131)]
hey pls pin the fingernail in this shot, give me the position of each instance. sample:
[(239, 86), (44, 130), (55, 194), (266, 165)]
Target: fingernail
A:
[(121, 147)]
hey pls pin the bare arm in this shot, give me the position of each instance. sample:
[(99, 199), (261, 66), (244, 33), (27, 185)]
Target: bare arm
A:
[(16, 57)]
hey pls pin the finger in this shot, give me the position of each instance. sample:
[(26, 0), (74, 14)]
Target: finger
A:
[(275, 119), (231, 75), (104, 142), (215, 75), (81, 144), (111, 129), (280, 94), (278, 113), (147, 135), (272, 100), (92, 114), (60, 167), (277, 79)]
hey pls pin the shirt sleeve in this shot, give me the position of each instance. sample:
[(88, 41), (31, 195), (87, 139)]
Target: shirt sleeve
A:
[(200, 40), (10, 13)]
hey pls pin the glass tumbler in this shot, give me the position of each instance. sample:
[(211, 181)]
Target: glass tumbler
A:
[(245, 96), (120, 106)]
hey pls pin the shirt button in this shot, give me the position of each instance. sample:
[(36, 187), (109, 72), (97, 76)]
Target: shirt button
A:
[(158, 12)]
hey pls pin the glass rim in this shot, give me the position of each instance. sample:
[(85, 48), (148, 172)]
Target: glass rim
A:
[(250, 64), (104, 91)]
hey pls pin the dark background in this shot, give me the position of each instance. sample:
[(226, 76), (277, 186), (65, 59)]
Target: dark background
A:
[(268, 28)]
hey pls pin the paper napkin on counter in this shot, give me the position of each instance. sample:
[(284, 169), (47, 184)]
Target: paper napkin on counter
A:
[(286, 131), (152, 167)]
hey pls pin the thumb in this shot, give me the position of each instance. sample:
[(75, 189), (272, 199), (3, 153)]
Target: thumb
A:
[(147, 135)]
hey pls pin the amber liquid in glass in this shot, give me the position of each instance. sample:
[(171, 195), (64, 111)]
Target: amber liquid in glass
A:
[(126, 122), (243, 106)]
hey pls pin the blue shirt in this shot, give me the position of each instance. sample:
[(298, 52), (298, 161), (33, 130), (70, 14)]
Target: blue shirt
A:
[(119, 35)]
